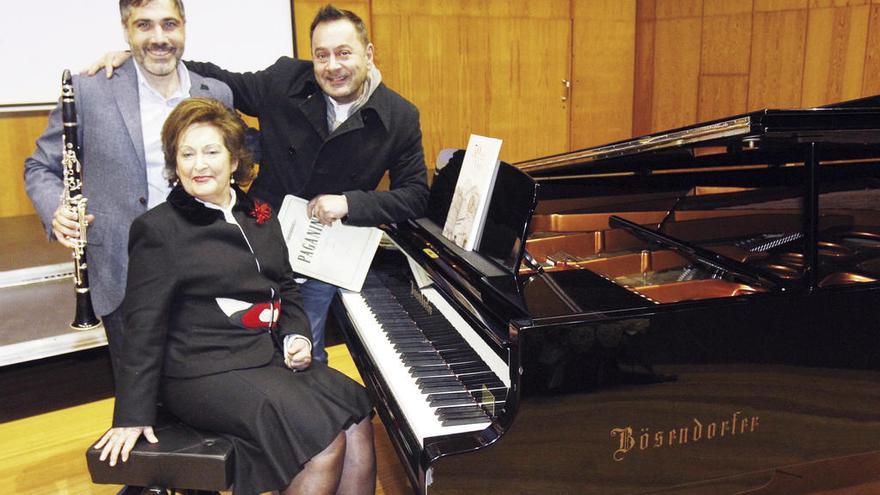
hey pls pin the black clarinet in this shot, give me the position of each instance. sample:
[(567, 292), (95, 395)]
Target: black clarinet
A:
[(73, 198)]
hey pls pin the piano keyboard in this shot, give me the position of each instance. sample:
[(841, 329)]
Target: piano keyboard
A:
[(445, 378)]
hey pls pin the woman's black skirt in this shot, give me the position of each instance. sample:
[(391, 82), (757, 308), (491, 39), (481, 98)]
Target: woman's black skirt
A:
[(275, 418)]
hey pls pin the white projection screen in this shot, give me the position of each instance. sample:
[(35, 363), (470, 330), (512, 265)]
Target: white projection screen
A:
[(41, 38)]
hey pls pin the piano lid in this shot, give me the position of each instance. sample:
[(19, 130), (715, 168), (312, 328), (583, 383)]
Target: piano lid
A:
[(729, 210), (757, 133)]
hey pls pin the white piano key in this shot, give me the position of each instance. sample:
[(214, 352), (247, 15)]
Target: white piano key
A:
[(412, 401)]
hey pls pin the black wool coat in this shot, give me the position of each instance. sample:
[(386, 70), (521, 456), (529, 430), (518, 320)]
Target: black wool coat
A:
[(301, 157), (184, 261)]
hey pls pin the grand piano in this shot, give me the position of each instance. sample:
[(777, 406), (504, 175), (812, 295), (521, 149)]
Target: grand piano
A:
[(692, 311)]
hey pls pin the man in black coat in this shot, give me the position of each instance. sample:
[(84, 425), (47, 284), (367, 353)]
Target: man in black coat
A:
[(331, 129)]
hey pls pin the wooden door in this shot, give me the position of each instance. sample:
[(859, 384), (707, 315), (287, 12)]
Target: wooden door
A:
[(490, 68)]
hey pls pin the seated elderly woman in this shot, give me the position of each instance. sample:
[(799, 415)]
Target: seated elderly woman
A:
[(214, 329)]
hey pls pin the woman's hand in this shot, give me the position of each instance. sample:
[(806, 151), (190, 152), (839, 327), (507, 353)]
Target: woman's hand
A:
[(297, 353), (122, 440), (108, 62)]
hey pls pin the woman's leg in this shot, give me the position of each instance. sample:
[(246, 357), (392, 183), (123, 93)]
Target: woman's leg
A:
[(321, 474), (359, 469)]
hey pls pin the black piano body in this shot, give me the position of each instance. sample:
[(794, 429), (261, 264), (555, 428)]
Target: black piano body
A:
[(693, 311)]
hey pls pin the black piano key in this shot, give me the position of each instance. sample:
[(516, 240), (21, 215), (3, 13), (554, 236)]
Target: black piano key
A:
[(433, 371), (427, 360), (488, 382), (476, 417), (420, 358), (473, 416), (472, 410), (426, 367), (433, 389), (415, 347), (401, 327), (463, 421), (407, 346), (462, 360), (442, 400), (437, 380), (409, 340), (478, 388), (458, 368), (497, 395), (457, 353), (396, 323), (477, 376), (415, 359), (401, 334), (447, 395), (419, 353), (468, 367)]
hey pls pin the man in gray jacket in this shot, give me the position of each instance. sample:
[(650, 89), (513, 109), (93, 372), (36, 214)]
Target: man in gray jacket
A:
[(119, 121)]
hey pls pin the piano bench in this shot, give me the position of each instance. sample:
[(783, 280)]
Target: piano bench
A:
[(185, 459)]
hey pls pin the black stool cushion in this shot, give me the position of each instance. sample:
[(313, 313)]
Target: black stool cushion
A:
[(184, 458)]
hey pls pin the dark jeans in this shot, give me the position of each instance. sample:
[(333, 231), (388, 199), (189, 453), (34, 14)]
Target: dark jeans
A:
[(316, 298)]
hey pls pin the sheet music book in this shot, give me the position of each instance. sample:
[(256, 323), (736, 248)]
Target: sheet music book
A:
[(337, 254), (470, 201)]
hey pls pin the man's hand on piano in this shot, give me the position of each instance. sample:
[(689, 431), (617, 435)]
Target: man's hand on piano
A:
[(297, 354), (121, 440)]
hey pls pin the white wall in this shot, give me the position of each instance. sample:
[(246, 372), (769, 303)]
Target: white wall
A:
[(40, 38)]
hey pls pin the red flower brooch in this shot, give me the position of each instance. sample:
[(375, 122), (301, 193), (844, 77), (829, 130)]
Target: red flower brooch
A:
[(261, 211)]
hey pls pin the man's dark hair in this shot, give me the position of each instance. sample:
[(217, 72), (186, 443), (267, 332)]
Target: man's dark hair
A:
[(329, 13), (125, 7)]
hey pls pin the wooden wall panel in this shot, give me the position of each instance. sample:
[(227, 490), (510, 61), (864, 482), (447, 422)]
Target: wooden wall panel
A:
[(818, 4), (677, 44), (871, 76), (18, 134), (643, 85), (722, 96), (509, 9), (727, 7), (753, 54), (727, 35), (778, 5), (668, 9), (501, 79), (725, 58), (778, 49), (835, 54), (603, 64)]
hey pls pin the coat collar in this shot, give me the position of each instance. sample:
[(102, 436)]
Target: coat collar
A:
[(197, 213), (314, 107), (199, 86)]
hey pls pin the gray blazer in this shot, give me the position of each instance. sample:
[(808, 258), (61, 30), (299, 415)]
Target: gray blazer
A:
[(114, 171)]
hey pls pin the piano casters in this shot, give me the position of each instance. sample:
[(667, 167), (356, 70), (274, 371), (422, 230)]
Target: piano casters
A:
[(72, 197)]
